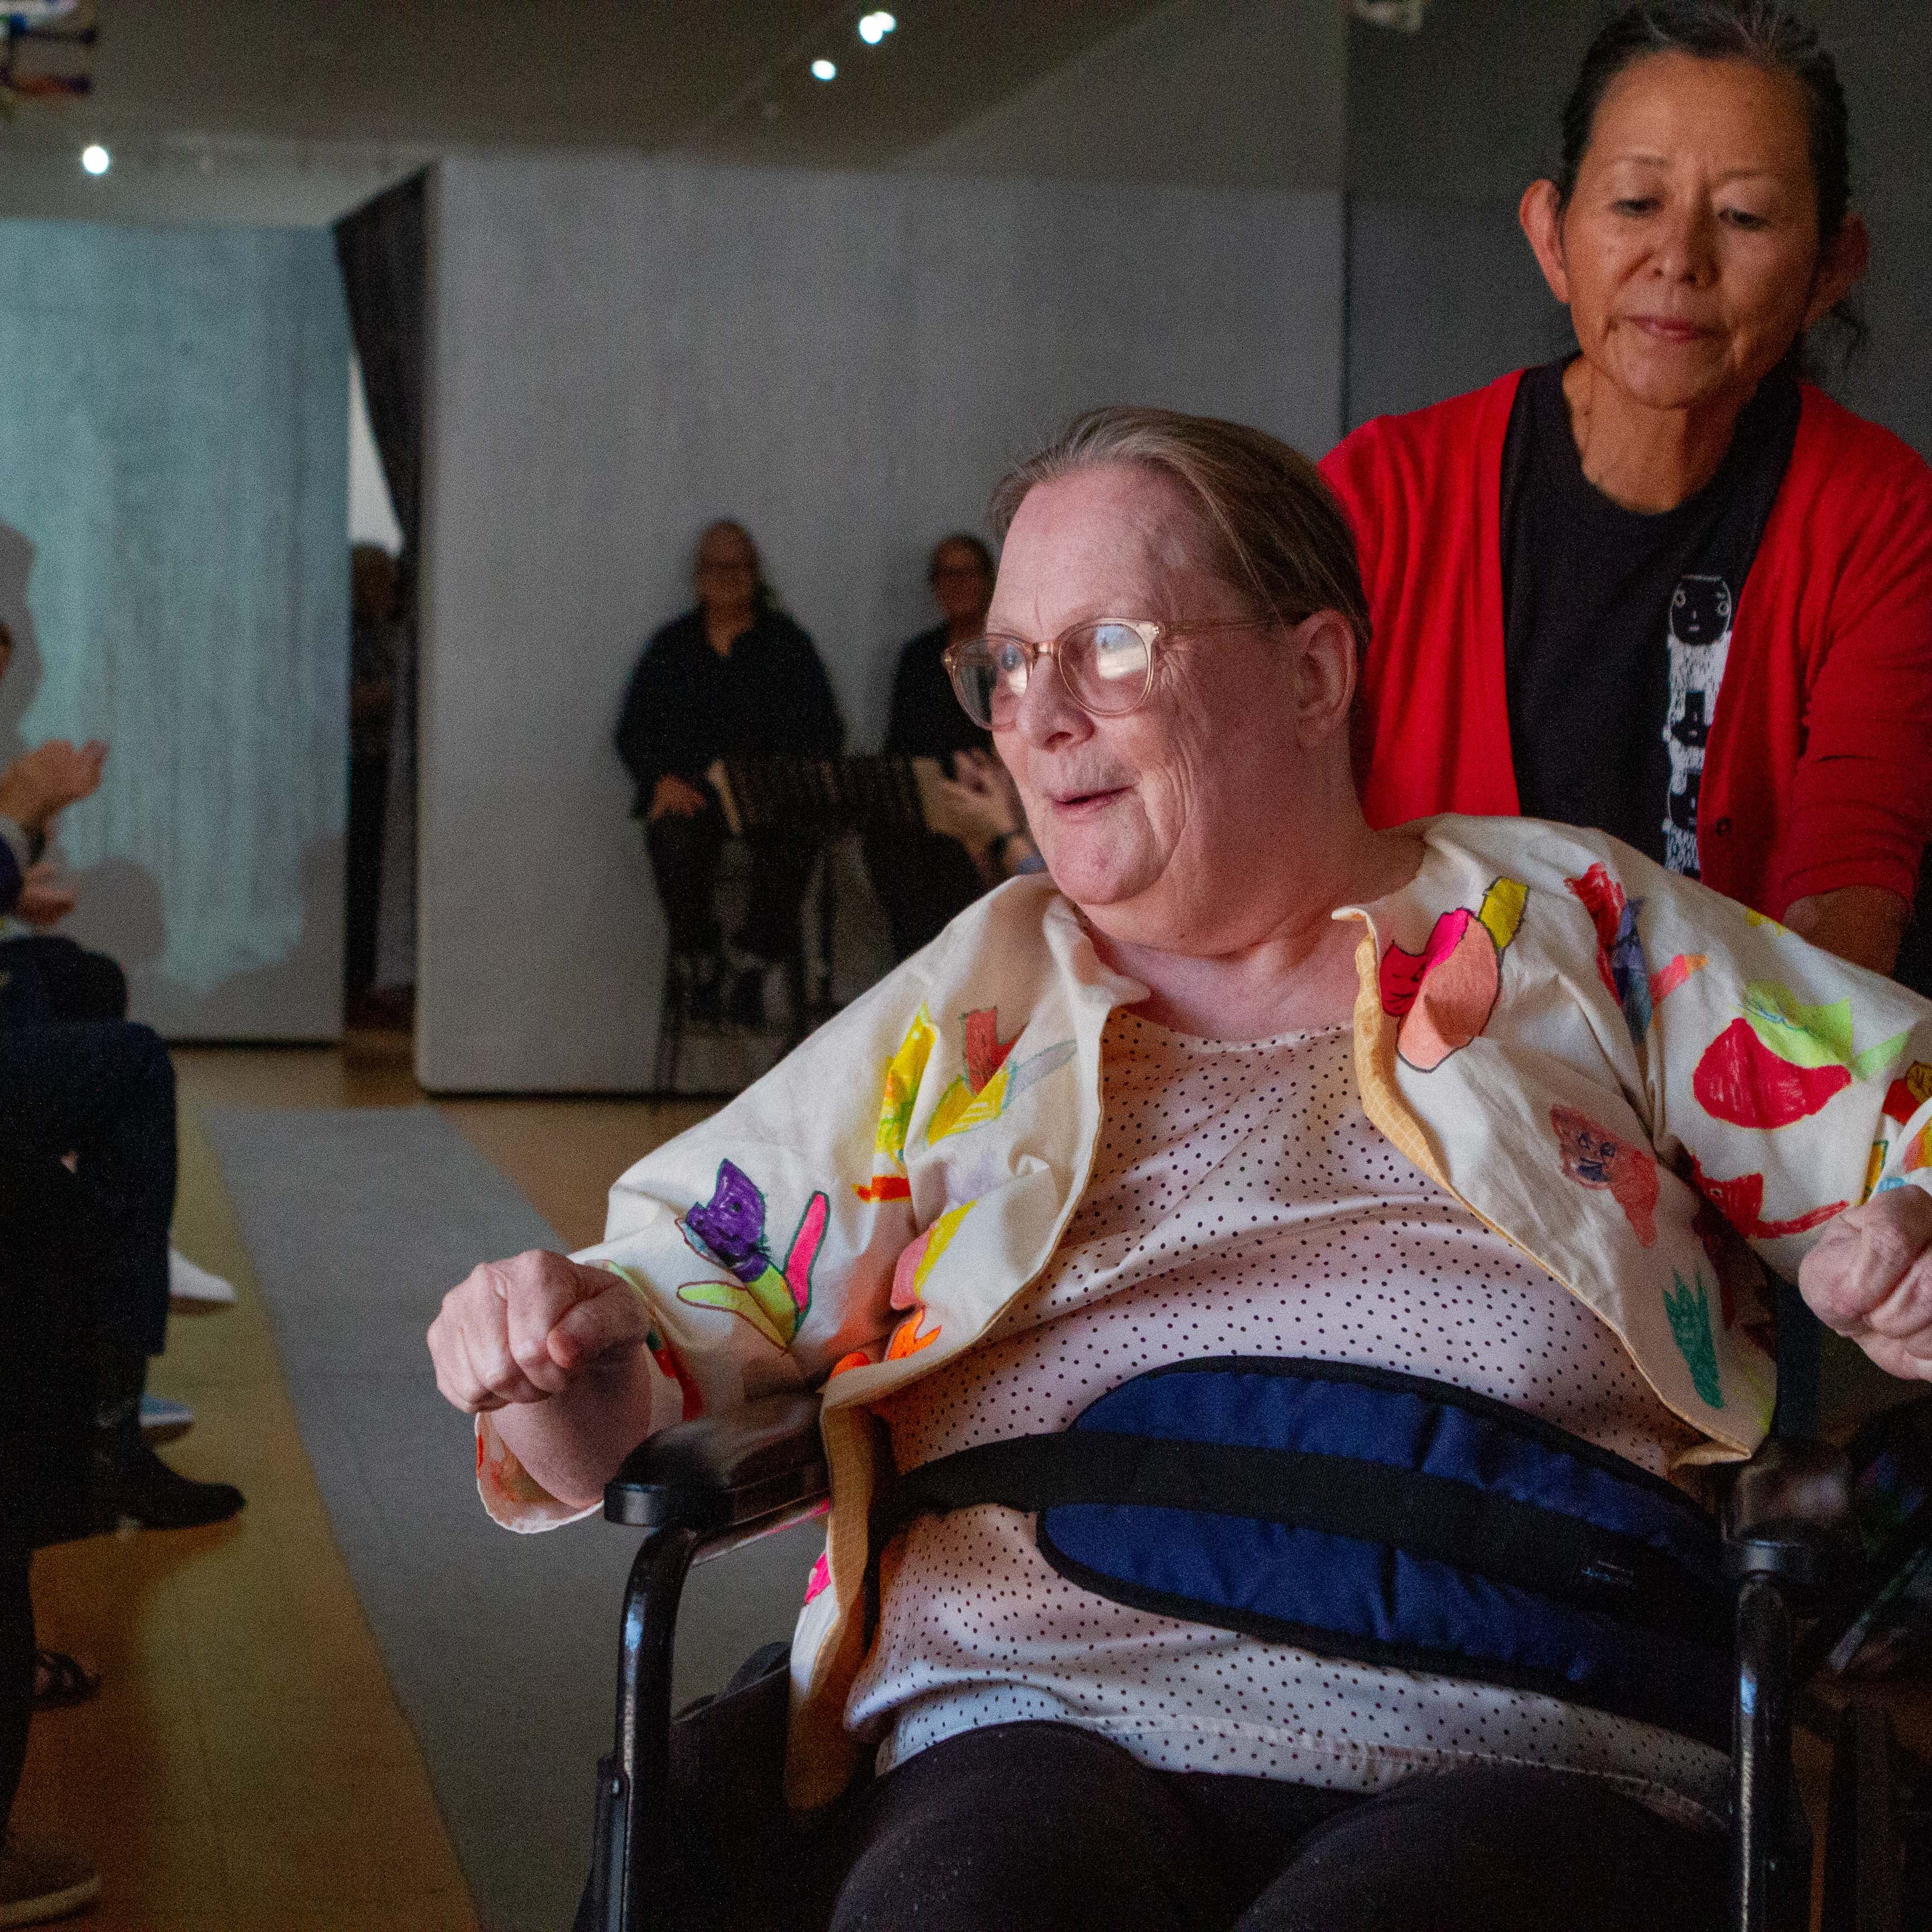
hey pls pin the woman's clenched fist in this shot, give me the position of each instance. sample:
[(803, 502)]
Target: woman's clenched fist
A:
[(1870, 1277), (525, 1330)]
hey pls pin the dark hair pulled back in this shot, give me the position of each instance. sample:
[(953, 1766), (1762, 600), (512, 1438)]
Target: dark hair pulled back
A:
[(1761, 31)]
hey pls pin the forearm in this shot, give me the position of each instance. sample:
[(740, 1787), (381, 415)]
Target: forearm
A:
[(1861, 923), (572, 1444)]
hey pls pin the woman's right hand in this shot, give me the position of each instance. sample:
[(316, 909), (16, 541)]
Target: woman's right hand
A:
[(525, 1330)]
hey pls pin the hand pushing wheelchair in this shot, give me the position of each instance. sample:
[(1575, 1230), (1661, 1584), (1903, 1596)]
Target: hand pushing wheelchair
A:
[(704, 1487)]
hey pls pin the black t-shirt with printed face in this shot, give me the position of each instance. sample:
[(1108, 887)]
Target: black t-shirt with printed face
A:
[(1616, 626)]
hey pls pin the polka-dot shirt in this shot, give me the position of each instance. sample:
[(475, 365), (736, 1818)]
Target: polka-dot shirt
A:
[(1241, 1204)]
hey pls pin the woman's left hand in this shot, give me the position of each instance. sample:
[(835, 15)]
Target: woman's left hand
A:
[(1870, 1277)]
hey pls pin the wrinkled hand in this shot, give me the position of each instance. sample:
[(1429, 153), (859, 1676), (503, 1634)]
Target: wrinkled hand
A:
[(1870, 1277), (678, 796), (525, 1330), (44, 901), (41, 784)]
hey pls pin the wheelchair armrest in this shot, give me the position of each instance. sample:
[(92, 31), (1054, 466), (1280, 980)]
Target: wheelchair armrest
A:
[(722, 1474), (1789, 1514)]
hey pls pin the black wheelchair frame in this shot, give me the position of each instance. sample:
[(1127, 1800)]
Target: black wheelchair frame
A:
[(704, 1487)]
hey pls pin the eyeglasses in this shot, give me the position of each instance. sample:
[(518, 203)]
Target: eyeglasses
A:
[(1106, 666)]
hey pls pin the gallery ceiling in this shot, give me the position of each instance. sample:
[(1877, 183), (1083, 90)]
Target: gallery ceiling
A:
[(210, 107)]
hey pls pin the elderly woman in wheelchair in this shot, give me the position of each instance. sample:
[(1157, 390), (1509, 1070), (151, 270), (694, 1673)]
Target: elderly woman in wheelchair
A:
[(1281, 1291)]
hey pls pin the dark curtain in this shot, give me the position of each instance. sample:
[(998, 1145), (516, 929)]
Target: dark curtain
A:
[(382, 250)]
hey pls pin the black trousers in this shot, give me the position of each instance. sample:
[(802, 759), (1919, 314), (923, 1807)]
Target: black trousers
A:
[(103, 1090), (684, 861), (1045, 1828), (362, 862), (923, 881)]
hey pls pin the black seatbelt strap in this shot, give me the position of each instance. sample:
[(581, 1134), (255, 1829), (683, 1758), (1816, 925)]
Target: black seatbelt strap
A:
[(1436, 1518)]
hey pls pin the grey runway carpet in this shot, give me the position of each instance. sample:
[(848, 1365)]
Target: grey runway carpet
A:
[(502, 1648)]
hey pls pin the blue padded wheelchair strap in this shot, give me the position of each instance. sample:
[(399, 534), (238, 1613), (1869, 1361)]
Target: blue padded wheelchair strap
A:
[(1372, 1515), (1434, 1517)]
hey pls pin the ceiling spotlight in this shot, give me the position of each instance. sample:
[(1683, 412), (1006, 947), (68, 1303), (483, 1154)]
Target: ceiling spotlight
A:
[(873, 28), (95, 159), (824, 69)]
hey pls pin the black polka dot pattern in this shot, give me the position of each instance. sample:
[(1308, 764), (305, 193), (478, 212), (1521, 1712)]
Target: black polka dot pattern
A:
[(1241, 1204)]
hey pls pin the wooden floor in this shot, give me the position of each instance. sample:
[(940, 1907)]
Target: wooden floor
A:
[(245, 1767)]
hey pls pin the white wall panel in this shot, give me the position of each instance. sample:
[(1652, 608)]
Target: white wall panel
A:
[(623, 350)]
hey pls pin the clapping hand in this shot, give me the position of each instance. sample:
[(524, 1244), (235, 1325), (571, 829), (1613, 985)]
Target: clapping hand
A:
[(39, 785), (976, 806)]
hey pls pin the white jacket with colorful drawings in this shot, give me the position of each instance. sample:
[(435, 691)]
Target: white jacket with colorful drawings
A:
[(1638, 1082)]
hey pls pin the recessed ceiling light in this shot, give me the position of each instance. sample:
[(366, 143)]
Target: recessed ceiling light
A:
[(95, 159), (873, 28), (824, 69)]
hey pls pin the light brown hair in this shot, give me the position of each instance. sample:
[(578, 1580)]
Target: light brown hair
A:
[(1274, 528)]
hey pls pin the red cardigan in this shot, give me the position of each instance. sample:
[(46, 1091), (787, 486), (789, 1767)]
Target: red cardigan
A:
[(1818, 772)]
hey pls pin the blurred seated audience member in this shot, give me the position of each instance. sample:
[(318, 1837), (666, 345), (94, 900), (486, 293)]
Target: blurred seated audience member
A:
[(98, 1097), (375, 587), (733, 678), (922, 881), (42, 971), (45, 975)]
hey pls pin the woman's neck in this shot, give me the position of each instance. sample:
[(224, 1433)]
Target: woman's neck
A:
[(1644, 459), (964, 630), (724, 627), (1299, 976)]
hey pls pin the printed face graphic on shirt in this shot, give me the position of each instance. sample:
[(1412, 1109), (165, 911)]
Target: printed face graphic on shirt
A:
[(1700, 641)]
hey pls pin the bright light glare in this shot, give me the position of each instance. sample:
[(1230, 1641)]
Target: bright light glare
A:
[(96, 159), (824, 69), (873, 28)]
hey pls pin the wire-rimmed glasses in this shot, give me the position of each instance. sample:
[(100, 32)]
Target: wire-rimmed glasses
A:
[(1106, 666)]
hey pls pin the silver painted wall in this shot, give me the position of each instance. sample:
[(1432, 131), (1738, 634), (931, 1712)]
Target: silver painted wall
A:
[(623, 350), (173, 563)]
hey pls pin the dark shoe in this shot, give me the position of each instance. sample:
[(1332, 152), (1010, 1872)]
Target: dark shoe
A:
[(40, 1880), (159, 1498)]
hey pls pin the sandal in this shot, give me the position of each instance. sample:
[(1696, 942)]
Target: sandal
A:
[(61, 1681)]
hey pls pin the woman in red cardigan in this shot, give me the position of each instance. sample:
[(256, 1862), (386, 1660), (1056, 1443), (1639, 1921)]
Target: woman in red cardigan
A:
[(1666, 587)]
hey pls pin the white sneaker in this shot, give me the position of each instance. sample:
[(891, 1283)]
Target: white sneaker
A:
[(40, 1880), (188, 1283)]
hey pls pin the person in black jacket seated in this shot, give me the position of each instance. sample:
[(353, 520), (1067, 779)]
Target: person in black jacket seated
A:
[(923, 879), (734, 678), (97, 1097)]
